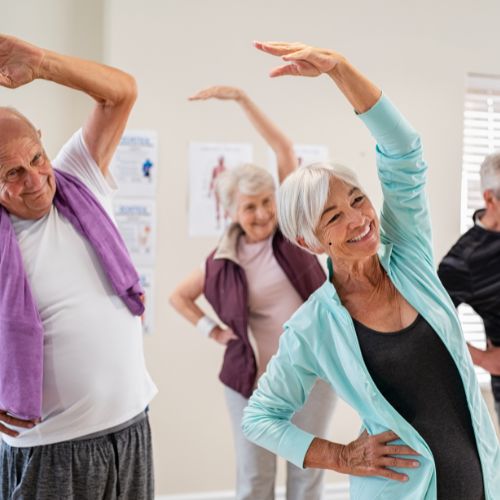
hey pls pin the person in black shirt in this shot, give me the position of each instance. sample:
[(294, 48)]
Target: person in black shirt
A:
[(471, 271)]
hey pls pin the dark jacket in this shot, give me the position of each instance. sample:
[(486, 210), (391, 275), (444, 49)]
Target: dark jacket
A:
[(470, 272)]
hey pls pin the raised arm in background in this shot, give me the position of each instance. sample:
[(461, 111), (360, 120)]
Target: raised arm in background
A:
[(277, 140)]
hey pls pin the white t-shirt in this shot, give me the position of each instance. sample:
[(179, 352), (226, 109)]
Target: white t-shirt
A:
[(95, 376)]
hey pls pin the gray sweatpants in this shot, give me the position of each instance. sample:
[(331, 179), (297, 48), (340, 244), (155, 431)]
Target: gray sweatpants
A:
[(256, 467), (115, 466)]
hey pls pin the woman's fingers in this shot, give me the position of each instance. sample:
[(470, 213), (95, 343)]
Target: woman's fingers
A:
[(203, 94), (6, 81), (231, 335), (304, 54), (399, 450), (297, 68), (198, 96), (285, 70), (217, 92), (389, 474), (386, 437), (278, 48), (399, 462)]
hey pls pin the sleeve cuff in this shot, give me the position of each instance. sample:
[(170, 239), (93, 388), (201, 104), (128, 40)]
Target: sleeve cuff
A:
[(393, 133), (294, 445)]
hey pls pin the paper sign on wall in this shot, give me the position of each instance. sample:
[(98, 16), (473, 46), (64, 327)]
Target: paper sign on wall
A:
[(206, 162)]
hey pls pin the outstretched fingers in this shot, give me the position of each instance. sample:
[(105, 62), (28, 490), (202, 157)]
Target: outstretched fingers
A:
[(278, 48), (199, 96), (5, 81), (285, 70), (223, 92)]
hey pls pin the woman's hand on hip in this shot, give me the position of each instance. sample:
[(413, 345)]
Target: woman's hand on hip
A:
[(222, 335), (302, 60), (374, 456)]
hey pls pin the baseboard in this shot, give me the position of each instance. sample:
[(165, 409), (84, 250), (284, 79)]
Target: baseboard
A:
[(339, 491)]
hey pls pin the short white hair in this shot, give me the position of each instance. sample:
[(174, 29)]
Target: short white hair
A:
[(302, 198), (490, 173), (246, 179)]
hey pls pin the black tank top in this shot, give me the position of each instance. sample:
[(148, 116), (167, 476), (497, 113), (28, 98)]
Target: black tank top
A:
[(417, 375)]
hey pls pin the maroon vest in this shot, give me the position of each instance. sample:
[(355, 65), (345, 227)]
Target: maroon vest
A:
[(226, 289)]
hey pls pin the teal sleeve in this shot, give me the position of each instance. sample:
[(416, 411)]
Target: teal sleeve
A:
[(282, 391), (402, 172)]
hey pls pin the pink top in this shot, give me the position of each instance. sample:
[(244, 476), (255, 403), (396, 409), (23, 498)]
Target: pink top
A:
[(271, 298)]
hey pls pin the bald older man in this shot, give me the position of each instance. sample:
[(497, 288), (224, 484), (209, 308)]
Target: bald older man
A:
[(73, 382)]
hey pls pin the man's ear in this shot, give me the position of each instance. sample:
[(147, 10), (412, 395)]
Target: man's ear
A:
[(302, 243), (39, 132), (489, 197)]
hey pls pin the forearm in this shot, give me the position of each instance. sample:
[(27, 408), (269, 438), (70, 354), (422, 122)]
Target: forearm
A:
[(475, 354), (491, 363), (113, 90), (277, 140), (186, 307), (108, 86), (359, 91), (488, 360)]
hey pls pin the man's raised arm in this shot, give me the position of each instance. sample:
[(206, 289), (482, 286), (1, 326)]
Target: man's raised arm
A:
[(113, 90)]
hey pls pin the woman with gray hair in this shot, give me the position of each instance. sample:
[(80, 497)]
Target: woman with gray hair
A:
[(254, 280), (381, 330)]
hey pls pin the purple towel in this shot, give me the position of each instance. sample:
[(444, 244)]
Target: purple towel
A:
[(21, 330)]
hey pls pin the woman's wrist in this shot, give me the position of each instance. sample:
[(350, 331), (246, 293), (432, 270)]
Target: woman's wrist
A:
[(242, 98), (361, 93), (338, 71), (323, 454), (205, 325)]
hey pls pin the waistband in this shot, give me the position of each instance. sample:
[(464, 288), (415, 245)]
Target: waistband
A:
[(116, 428)]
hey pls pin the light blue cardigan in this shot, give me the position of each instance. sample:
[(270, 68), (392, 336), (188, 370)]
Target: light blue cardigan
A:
[(320, 340)]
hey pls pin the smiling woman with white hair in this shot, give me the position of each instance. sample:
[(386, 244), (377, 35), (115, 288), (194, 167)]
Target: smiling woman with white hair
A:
[(381, 330), (254, 280)]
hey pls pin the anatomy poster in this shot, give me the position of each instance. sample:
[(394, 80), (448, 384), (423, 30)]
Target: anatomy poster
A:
[(206, 162)]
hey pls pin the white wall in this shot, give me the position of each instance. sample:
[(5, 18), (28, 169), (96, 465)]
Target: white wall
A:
[(419, 53)]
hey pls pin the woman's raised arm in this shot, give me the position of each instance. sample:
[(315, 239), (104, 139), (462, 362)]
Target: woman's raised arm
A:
[(277, 140)]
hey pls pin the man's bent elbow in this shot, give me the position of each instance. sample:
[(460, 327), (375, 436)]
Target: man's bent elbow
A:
[(130, 88)]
